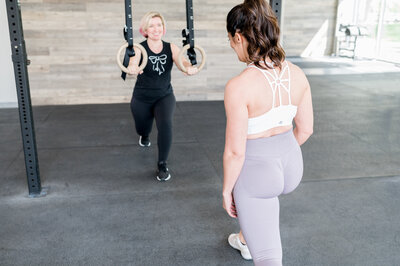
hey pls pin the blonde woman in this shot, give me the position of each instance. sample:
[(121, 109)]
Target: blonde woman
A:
[(153, 96)]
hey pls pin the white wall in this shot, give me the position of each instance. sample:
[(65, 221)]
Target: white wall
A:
[(8, 94)]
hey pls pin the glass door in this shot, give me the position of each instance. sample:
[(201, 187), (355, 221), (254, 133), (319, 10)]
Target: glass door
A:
[(389, 32), (379, 27)]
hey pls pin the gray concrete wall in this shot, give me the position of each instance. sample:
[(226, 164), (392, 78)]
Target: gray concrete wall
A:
[(8, 93), (72, 45)]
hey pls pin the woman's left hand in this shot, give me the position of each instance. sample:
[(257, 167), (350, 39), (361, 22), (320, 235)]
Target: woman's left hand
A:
[(229, 204), (192, 70)]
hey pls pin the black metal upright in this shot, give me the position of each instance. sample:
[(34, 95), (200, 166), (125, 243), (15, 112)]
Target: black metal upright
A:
[(20, 62), (276, 6), (188, 33), (128, 35), (128, 30)]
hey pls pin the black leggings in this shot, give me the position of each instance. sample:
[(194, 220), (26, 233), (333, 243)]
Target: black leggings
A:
[(162, 110)]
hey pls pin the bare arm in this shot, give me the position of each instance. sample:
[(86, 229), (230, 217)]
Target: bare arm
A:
[(236, 134), (304, 118), (191, 70), (133, 66)]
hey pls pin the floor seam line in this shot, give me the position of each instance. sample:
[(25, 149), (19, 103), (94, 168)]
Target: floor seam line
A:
[(349, 178)]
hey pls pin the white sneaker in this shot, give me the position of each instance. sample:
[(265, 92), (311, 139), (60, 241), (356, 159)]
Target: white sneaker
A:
[(234, 242), (144, 141)]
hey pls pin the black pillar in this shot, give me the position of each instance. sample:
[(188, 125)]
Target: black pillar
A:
[(20, 62)]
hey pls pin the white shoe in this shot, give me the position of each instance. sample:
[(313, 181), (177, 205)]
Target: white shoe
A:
[(234, 242), (144, 141)]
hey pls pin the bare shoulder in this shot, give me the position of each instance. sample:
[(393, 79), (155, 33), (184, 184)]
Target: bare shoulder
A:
[(238, 86), (232, 85), (234, 89), (295, 69), (238, 83), (174, 46), (297, 74)]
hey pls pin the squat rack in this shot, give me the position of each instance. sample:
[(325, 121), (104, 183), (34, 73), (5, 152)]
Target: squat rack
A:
[(20, 63)]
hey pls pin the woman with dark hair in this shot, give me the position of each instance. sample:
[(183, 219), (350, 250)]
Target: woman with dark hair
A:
[(262, 157), (153, 96)]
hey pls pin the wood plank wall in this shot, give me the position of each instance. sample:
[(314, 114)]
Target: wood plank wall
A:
[(309, 27), (72, 45)]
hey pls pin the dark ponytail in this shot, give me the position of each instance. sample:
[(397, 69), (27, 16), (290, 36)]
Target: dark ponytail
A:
[(255, 20)]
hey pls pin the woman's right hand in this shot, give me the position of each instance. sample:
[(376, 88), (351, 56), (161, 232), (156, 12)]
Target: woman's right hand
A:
[(228, 203), (134, 70)]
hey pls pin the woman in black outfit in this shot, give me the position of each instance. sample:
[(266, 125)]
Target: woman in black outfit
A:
[(153, 95)]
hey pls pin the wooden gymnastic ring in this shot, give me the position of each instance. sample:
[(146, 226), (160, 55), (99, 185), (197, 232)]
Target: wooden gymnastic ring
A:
[(142, 50), (184, 49)]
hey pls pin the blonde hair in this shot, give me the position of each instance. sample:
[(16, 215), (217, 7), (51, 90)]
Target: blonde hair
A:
[(145, 21)]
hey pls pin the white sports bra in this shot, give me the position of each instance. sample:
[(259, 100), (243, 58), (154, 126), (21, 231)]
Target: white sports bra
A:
[(281, 115)]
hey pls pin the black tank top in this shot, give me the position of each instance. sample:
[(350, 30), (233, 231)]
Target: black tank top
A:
[(155, 81)]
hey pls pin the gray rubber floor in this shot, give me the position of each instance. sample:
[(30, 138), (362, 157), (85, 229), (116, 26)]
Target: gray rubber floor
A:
[(105, 207)]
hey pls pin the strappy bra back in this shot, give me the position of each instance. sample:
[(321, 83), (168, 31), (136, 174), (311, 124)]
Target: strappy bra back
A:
[(281, 115)]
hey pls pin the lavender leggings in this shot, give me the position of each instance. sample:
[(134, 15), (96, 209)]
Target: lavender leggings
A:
[(272, 166)]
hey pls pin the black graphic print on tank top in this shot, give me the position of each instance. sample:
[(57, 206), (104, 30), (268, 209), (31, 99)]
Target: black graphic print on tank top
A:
[(158, 63), (155, 82)]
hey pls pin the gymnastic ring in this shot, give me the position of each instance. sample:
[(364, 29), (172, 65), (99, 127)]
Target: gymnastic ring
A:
[(144, 57), (185, 48)]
